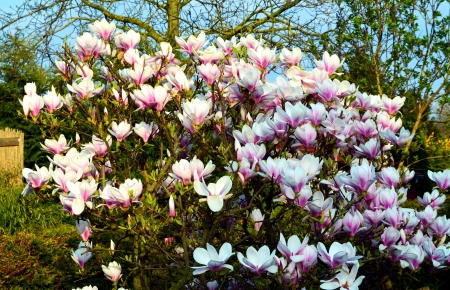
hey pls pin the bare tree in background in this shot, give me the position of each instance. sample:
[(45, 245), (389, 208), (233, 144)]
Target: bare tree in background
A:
[(279, 22)]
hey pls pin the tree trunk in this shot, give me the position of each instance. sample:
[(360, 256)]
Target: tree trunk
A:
[(173, 21)]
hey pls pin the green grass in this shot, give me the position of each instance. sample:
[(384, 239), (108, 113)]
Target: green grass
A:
[(36, 238)]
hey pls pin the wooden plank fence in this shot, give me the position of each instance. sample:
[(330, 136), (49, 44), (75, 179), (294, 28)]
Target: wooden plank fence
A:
[(11, 151)]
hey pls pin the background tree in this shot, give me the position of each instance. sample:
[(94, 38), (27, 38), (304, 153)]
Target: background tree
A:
[(397, 48), (279, 22), (18, 66)]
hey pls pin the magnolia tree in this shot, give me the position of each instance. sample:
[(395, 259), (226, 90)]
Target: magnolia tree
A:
[(206, 175)]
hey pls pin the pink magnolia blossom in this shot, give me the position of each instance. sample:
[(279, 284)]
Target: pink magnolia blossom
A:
[(113, 271), (227, 45), (85, 89), (210, 55), (293, 114), (88, 45), (121, 97), (128, 192), (215, 193), (209, 72), (353, 222), (82, 254), (293, 249), (30, 89), (441, 226), (103, 28), (211, 260), (329, 64), (32, 104), (262, 57), (37, 179), (121, 130), (248, 78), (193, 43), (171, 206), (98, 147), (307, 135), (125, 41), (257, 218), (84, 229), (250, 42), (392, 105), (52, 101), (150, 97), (258, 261), (139, 74), (56, 146), (435, 200), (344, 279), (253, 153), (145, 131), (338, 254), (442, 178), (196, 110), (62, 178), (179, 80), (291, 58)]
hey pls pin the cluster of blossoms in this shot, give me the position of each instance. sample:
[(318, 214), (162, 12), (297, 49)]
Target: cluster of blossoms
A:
[(306, 146)]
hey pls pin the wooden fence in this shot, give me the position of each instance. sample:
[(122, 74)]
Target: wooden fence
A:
[(11, 151)]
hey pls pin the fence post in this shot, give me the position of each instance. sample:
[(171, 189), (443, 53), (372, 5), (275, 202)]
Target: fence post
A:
[(11, 152)]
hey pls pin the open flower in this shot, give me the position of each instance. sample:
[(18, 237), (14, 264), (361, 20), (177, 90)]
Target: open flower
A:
[(120, 131), (345, 279), (82, 254), (215, 192), (112, 272), (259, 261), (211, 259)]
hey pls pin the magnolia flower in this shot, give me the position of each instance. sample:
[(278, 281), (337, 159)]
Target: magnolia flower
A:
[(85, 89), (79, 195), (113, 271), (84, 229), (293, 249), (209, 72), (442, 178), (145, 131), (98, 147), (192, 44), (88, 45), (435, 200), (37, 179), (62, 178), (120, 131), (211, 259), (56, 147), (82, 254), (127, 193), (291, 58), (215, 192), (262, 57), (259, 261), (103, 28), (52, 101), (171, 206), (345, 279), (257, 218), (125, 41), (149, 97), (329, 64), (32, 104), (339, 254)]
